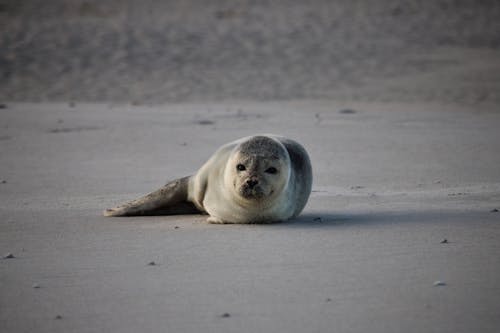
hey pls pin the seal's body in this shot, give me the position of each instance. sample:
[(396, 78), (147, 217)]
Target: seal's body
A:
[(257, 179)]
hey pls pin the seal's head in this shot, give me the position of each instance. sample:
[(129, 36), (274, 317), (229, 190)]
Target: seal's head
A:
[(258, 170)]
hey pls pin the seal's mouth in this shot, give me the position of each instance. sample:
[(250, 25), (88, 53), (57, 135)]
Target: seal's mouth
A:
[(252, 192)]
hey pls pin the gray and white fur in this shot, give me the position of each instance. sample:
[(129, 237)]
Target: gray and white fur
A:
[(256, 179)]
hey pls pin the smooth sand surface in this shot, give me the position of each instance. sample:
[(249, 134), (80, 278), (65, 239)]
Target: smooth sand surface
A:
[(392, 182)]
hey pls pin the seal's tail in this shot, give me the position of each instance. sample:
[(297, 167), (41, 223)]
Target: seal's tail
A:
[(170, 199)]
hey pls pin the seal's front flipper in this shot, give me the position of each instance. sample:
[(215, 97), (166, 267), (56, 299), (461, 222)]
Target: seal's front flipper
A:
[(171, 199)]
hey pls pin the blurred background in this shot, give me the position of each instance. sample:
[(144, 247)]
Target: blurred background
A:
[(150, 52)]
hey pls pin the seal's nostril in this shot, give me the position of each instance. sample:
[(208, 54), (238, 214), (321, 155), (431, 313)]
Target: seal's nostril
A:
[(252, 182)]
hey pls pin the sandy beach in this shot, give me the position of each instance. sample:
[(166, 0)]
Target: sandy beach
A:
[(397, 106), (364, 255)]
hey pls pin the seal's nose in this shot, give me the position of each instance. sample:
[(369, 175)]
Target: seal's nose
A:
[(252, 182)]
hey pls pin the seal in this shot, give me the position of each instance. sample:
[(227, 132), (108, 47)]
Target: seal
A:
[(256, 179)]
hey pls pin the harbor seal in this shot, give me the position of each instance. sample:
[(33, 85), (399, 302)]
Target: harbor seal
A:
[(256, 179)]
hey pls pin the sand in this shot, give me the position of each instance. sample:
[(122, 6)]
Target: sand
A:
[(398, 106), (392, 182), (154, 52)]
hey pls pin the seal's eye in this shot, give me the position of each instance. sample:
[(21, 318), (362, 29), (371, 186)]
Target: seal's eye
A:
[(240, 167), (271, 170)]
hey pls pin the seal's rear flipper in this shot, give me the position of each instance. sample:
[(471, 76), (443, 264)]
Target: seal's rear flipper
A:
[(171, 199)]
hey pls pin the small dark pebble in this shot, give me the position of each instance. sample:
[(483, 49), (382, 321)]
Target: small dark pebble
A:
[(58, 317), (225, 315), (176, 227), (4, 182), (328, 300), (152, 263), (317, 219), (73, 129), (444, 241), (439, 283), (205, 122), (35, 286), (8, 256), (347, 111), (3, 106), (494, 210)]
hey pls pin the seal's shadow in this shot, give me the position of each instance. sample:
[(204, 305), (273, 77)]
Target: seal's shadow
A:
[(334, 219)]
